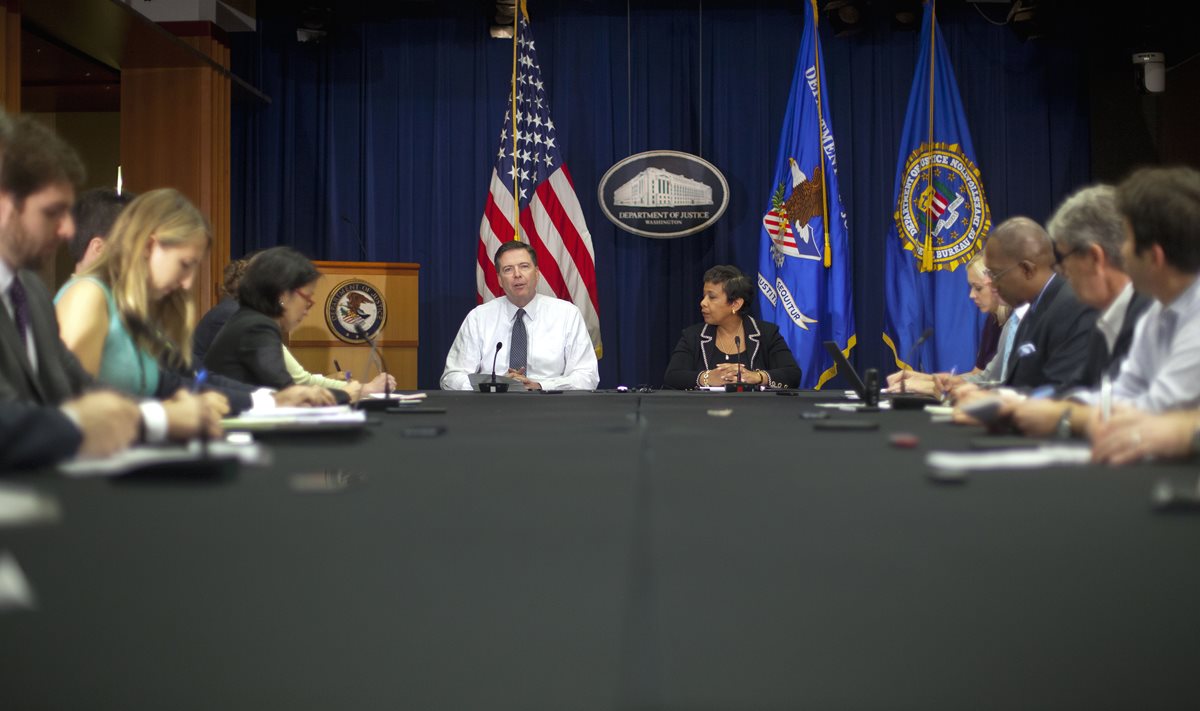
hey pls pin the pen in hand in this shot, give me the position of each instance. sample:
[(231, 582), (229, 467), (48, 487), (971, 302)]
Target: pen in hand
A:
[(946, 385), (201, 377)]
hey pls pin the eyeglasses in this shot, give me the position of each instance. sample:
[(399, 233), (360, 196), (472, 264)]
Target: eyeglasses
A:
[(308, 298), (1059, 257), (995, 276)]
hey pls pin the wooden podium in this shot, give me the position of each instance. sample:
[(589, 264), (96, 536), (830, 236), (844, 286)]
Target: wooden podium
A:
[(350, 294)]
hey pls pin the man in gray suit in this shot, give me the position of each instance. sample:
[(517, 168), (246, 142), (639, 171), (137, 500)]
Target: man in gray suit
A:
[(38, 177)]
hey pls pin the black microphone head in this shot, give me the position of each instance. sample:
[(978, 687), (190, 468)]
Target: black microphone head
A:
[(499, 345), (737, 341), (358, 328), (925, 334)]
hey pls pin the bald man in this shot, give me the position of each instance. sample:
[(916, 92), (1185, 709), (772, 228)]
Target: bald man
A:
[(1052, 340)]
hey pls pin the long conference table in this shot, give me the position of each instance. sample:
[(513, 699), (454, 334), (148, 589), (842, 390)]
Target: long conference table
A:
[(610, 551)]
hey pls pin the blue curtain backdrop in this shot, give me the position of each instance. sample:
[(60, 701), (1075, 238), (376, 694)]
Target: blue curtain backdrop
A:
[(378, 144)]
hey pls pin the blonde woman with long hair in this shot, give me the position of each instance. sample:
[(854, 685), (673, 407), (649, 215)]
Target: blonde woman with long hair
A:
[(985, 298), (133, 308)]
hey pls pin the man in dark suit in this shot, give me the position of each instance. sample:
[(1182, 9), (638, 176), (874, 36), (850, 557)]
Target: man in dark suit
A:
[(97, 424), (1087, 231), (1160, 251), (39, 174), (1052, 340)]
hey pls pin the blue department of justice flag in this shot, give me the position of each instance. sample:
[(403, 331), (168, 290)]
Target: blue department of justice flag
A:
[(803, 262), (940, 221)]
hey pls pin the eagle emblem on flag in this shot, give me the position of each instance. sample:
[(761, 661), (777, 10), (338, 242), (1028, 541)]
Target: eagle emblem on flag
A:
[(787, 222)]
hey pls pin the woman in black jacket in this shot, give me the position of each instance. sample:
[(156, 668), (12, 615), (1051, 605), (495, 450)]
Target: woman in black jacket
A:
[(275, 293), (710, 354)]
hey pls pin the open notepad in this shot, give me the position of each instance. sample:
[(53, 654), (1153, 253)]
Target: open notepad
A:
[(398, 397), (296, 418), (1036, 456), (148, 456)]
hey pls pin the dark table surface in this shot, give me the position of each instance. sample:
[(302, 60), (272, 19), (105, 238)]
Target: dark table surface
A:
[(610, 551)]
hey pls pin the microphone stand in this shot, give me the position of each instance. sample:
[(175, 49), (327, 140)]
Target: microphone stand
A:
[(738, 386), (912, 352), (491, 386), (377, 358)]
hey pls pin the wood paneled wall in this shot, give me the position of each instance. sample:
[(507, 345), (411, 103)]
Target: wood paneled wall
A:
[(10, 56), (175, 133)]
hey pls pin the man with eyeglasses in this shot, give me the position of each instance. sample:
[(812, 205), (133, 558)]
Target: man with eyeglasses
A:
[(1088, 233), (1160, 208), (1052, 339), (50, 408)]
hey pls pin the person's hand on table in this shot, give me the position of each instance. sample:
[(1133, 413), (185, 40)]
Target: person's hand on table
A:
[(109, 422), (967, 392), (1132, 435), (519, 376), (973, 393), (190, 415), (379, 383), (726, 373), (923, 385), (910, 381), (304, 396), (1036, 418), (216, 402)]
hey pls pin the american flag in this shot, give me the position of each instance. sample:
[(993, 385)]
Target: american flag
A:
[(551, 218)]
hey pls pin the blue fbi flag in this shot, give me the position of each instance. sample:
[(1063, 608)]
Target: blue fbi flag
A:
[(803, 263), (940, 221)]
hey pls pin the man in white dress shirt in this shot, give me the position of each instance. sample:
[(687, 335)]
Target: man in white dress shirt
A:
[(543, 342)]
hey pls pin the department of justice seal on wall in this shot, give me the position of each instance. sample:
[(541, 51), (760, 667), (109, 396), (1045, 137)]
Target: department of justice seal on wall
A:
[(663, 194), (351, 304), (942, 215)]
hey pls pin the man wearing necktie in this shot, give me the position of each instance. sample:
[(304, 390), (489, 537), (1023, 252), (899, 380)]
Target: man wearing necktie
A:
[(543, 342), (1052, 338), (43, 389), (1160, 250)]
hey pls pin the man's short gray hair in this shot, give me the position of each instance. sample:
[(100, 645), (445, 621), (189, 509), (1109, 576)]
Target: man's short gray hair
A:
[(1090, 216)]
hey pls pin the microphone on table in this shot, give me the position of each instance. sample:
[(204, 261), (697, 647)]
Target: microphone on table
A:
[(913, 351), (737, 386), (492, 386), (378, 358), (904, 401)]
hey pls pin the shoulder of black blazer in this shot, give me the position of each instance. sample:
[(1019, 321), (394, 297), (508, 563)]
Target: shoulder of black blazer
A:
[(757, 331)]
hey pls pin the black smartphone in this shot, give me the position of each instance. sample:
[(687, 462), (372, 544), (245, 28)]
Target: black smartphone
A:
[(814, 415), (409, 410), (1176, 498), (423, 431)]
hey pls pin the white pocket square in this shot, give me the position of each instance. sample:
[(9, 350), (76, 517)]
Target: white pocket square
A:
[(1026, 349)]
